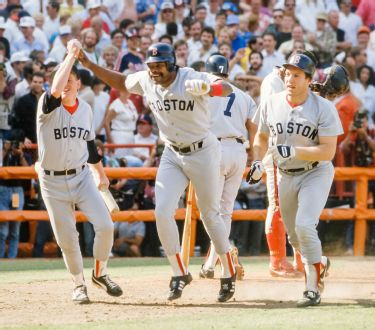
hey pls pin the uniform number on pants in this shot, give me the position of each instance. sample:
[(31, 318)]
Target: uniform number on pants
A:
[(227, 112)]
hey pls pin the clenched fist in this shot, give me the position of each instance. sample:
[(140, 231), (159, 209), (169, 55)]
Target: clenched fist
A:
[(255, 173), (197, 87)]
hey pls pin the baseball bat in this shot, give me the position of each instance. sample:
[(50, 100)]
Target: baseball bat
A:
[(185, 245), (109, 201)]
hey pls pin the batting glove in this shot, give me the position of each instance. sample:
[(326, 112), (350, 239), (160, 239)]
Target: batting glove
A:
[(282, 152), (197, 87), (255, 173)]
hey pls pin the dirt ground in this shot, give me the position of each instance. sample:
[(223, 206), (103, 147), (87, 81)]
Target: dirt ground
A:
[(47, 302)]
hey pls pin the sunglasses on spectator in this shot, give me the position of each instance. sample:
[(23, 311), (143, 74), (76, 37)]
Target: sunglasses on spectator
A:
[(167, 11), (277, 16)]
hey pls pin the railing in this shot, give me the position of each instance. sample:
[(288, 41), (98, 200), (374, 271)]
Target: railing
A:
[(360, 213)]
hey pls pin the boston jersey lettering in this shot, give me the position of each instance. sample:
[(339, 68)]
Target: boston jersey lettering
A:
[(172, 105)]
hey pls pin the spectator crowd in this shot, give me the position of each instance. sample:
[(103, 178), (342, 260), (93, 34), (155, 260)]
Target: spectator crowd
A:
[(254, 35)]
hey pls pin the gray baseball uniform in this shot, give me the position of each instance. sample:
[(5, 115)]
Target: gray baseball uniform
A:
[(62, 141), (228, 122), (303, 185), (192, 152)]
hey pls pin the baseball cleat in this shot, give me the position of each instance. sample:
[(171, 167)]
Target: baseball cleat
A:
[(80, 296), (177, 284), (105, 283), (310, 298), (227, 288), (285, 269), (206, 273), (324, 267)]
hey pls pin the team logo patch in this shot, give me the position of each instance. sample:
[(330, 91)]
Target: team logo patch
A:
[(154, 51), (296, 59)]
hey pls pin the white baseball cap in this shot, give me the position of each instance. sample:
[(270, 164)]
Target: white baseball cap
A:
[(65, 29), (27, 21), (91, 4), (2, 23), (19, 57), (167, 5)]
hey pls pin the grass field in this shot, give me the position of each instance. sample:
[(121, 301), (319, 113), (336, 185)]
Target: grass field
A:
[(35, 294)]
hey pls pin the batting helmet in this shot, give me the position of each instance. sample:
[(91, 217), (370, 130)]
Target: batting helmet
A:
[(335, 82), (161, 52), (217, 64), (302, 62)]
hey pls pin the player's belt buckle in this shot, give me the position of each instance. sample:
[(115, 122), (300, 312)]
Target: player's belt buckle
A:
[(195, 146)]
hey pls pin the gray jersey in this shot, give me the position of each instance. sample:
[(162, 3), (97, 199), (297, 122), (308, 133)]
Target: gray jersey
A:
[(62, 137), (229, 114), (298, 126), (182, 118)]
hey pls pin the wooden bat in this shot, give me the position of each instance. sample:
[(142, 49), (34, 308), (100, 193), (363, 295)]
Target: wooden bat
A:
[(109, 201), (185, 245)]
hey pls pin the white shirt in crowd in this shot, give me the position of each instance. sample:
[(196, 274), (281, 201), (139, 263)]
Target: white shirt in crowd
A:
[(236, 70), (100, 105), (366, 96), (272, 60), (126, 116), (196, 55), (139, 139), (350, 24), (51, 26)]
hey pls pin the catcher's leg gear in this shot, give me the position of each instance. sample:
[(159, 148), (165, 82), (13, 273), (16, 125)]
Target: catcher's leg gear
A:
[(105, 283), (79, 295), (310, 298), (227, 288), (240, 271), (177, 284)]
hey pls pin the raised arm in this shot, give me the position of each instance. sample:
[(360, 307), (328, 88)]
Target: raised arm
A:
[(62, 74), (112, 78)]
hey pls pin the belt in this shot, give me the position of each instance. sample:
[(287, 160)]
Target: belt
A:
[(185, 150), (65, 172), (237, 139), (301, 169)]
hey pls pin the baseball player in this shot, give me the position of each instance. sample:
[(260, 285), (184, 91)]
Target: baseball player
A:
[(178, 99), (231, 124), (303, 128), (274, 226), (66, 136)]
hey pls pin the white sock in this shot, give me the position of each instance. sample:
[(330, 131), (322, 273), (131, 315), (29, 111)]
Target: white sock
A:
[(78, 279), (178, 267), (311, 278), (100, 268), (212, 257), (227, 268)]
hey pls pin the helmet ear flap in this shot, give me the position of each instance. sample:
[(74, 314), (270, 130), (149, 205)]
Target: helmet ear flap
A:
[(170, 67)]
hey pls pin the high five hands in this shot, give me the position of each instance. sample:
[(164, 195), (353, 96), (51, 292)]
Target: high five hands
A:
[(74, 47)]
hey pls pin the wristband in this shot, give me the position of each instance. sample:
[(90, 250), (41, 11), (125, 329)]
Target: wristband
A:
[(216, 89)]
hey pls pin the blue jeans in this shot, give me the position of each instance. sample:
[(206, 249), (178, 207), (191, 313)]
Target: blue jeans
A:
[(10, 229)]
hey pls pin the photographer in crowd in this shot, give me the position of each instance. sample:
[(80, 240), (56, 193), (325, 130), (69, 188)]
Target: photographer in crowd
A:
[(11, 198), (358, 148)]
